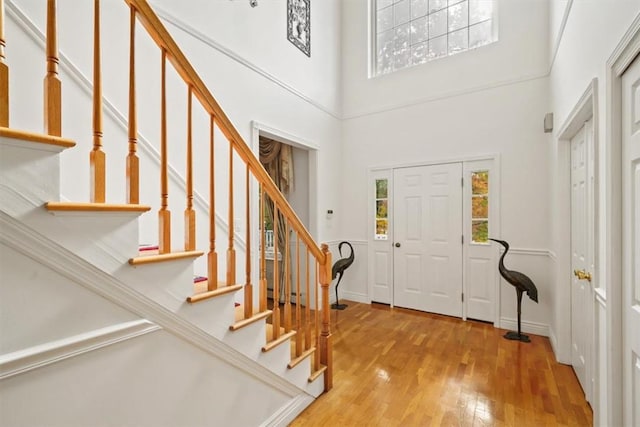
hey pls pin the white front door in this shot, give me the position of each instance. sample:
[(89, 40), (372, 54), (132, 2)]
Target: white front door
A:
[(380, 248), (631, 243), (480, 266), (582, 254), (427, 238)]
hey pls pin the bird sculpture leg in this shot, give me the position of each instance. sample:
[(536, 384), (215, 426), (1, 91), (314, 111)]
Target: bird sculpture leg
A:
[(518, 336), (337, 305)]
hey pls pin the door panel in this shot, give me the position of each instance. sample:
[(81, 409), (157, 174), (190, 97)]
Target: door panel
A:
[(581, 255), (381, 277), (631, 242), (480, 270), (428, 227), (481, 294), (380, 252)]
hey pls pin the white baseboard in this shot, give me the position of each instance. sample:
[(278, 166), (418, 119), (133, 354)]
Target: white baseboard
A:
[(554, 343), (289, 412), (352, 296), (528, 327)]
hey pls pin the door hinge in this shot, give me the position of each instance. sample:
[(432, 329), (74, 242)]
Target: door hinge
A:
[(462, 239), (462, 296), (462, 182)]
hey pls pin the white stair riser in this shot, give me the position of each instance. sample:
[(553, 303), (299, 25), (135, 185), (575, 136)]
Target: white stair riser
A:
[(248, 340), (106, 239), (29, 175)]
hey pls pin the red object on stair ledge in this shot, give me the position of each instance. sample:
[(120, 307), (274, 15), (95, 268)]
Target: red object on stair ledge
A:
[(143, 248)]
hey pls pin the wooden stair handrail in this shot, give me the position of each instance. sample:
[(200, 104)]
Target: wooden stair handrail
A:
[(183, 67)]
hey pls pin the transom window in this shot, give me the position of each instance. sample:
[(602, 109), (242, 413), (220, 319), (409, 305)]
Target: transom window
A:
[(412, 32)]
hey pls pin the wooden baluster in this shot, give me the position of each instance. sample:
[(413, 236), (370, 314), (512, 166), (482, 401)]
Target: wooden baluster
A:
[(263, 258), (326, 345), (231, 252), (316, 319), (248, 287), (189, 213), (276, 275), (97, 158), (287, 281), (164, 215), (133, 163), (52, 85), (4, 74), (307, 306), (212, 257), (298, 308)]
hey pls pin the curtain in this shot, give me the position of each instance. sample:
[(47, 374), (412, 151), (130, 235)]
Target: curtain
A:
[(277, 159)]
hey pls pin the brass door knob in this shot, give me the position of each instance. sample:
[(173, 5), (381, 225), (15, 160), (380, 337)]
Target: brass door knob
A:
[(582, 275)]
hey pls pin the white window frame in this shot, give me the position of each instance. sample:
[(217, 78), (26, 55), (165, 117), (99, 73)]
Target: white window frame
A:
[(373, 48)]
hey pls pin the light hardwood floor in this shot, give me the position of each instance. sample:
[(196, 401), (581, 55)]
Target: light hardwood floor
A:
[(397, 367)]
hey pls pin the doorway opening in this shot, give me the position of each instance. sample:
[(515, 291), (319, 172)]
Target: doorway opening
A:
[(577, 160), (292, 164)]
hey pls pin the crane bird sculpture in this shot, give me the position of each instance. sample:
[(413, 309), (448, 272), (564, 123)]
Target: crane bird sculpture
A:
[(338, 269), (522, 284)]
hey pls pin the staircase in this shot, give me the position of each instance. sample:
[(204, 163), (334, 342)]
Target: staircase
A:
[(97, 327)]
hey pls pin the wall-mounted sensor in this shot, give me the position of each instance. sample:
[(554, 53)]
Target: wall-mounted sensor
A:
[(548, 123)]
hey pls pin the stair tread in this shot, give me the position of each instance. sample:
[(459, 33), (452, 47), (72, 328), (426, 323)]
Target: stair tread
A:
[(201, 285), (273, 343), (205, 294), (147, 259), (241, 322), (317, 373), (36, 137), (297, 360), (95, 207)]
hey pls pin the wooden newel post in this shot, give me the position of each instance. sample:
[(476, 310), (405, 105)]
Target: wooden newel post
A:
[(326, 346), (4, 75)]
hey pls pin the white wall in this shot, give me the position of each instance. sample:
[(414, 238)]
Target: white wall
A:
[(506, 121), (520, 53), (489, 101), (259, 35), (592, 32)]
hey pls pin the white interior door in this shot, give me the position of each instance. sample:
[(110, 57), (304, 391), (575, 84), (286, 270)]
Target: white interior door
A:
[(631, 243), (582, 254), (427, 230)]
